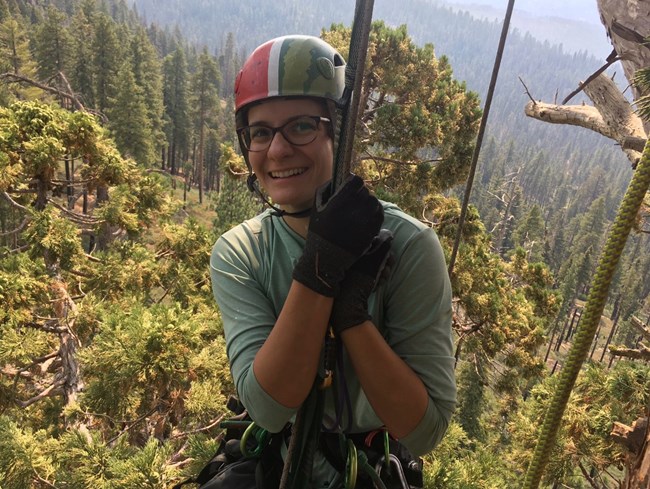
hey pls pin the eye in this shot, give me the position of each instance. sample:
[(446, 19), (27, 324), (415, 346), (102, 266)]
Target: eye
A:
[(260, 133), (302, 126)]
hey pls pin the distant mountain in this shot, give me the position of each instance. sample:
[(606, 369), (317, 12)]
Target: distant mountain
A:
[(575, 25)]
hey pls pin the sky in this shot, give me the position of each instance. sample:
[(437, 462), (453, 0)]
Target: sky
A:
[(574, 23), (581, 10)]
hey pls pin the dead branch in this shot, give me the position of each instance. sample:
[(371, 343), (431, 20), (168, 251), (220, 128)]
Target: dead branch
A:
[(398, 162), (209, 426), (638, 324), (16, 78), (13, 202), (611, 59), (641, 353), (527, 91), (611, 115), (18, 229), (50, 391)]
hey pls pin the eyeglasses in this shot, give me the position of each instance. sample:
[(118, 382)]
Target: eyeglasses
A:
[(298, 131)]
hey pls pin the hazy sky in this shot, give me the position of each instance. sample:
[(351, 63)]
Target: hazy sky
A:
[(584, 10)]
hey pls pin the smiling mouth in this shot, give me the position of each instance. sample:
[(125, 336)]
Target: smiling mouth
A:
[(287, 173)]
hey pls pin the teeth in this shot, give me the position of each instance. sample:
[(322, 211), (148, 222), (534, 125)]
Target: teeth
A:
[(287, 173)]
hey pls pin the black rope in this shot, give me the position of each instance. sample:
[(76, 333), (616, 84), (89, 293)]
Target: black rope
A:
[(481, 132), (349, 104), (309, 419)]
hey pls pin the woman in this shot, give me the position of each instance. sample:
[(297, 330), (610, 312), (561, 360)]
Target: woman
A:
[(282, 278)]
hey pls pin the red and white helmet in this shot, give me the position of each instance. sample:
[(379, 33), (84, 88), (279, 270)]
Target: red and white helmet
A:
[(290, 66)]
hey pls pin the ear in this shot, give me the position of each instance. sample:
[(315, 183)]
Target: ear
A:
[(251, 182)]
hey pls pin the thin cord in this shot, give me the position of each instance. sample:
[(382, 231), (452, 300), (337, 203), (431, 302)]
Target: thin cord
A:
[(481, 132)]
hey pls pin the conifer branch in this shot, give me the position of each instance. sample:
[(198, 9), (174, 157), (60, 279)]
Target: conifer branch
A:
[(641, 353), (47, 392), (131, 426), (18, 229), (16, 78), (209, 426), (75, 216), (13, 202)]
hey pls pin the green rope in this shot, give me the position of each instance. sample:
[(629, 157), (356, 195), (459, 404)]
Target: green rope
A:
[(608, 262)]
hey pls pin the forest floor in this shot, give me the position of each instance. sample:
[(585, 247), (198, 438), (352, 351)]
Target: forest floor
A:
[(597, 353)]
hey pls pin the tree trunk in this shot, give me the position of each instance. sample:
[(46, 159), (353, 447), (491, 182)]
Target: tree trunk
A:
[(627, 23), (636, 440)]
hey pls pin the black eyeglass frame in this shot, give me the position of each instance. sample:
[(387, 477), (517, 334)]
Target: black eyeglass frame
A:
[(241, 132)]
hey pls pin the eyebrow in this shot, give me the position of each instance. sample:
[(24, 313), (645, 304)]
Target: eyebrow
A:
[(293, 117)]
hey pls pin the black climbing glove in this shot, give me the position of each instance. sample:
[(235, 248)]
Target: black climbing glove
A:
[(351, 305), (341, 228)]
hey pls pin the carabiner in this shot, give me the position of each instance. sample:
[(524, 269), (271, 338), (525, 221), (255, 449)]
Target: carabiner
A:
[(351, 466), (261, 436), (393, 460)]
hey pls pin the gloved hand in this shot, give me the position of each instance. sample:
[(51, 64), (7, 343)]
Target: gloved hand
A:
[(351, 305), (341, 228)]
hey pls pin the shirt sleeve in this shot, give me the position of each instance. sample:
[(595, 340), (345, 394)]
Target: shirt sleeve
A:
[(248, 317), (418, 328)]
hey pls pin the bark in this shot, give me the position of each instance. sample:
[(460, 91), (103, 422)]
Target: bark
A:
[(636, 440), (611, 115), (627, 25)]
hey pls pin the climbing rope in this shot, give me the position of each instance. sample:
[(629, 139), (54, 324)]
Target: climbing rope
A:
[(481, 132), (349, 104), (296, 473), (608, 262)]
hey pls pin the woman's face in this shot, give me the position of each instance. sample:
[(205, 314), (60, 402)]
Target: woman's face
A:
[(291, 174)]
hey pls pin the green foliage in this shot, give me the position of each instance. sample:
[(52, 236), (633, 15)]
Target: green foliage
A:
[(235, 203), (144, 361), (642, 81), (599, 398), (418, 124)]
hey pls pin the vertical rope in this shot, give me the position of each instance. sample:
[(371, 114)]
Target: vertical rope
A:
[(352, 94), (590, 317), (481, 132)]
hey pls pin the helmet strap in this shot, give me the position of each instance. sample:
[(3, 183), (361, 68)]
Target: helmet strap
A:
[(254, 187)]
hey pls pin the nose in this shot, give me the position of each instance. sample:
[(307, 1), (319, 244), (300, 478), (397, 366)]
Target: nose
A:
[(279, 146)]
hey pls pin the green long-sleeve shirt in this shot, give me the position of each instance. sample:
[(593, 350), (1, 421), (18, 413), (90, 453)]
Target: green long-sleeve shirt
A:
[(251, 268)]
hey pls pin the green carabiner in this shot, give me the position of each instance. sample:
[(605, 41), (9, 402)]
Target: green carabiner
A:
[(351, 466), (261, 436)]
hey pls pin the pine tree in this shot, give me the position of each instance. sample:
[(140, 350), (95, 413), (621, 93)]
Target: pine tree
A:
[(147, 70), (81, 70), (205, 101), (417, 123), (53, 45), (128, 119), (16, 58), (175, 81), (107, 56)]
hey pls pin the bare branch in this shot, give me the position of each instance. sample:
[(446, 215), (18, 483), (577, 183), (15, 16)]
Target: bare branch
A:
[(75, 216), (638, 324), (16, 78), (642, 353), (198, 430), (611, 59), (527, 91), (48, 392), (13, 202), (399, 162), (18, 229)]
